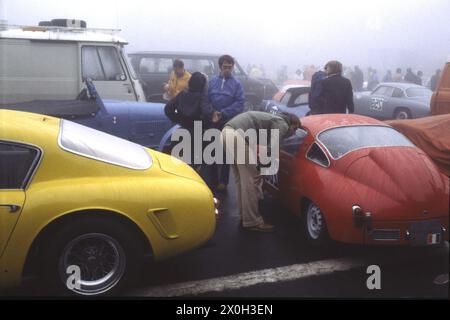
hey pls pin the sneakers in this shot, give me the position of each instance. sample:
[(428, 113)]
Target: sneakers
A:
[(263, 227)]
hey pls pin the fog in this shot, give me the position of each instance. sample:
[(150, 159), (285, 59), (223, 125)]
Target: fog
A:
[(382, 34)]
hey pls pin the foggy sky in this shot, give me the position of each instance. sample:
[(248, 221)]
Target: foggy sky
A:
[(382, 34)]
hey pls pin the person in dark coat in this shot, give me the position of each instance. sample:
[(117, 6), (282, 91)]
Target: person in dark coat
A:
[(337, 91), (315, 95), (190, 106), (410, 76), (373, 79), (358, 78), (419, 78)]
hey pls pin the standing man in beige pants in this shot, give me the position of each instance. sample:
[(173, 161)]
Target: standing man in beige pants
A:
[(236, 140)]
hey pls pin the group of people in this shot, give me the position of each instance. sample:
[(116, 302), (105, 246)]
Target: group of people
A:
[(300, 74), (409, 76), (219, 103), (356, 77), (214, 102)]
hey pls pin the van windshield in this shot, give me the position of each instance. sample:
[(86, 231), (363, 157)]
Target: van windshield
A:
[(101, 63), (200, 64)]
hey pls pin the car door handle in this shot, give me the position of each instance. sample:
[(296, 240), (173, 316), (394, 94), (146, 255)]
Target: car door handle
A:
[(12, 207), (128, 88)]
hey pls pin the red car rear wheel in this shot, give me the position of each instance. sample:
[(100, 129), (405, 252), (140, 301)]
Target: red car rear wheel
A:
[(314, 225)]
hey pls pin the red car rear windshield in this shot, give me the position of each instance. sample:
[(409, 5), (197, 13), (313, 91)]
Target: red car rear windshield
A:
[(342, 140)]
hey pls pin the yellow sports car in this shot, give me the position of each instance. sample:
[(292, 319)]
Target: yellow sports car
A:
[(84, 208)]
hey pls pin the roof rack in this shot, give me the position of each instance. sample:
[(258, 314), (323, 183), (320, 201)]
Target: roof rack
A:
[(58, 33), (60, 29)]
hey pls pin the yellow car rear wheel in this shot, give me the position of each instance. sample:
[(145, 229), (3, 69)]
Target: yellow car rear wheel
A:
[(92, 256)]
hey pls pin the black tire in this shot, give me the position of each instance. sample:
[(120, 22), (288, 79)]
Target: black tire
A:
[(94, 242), (314, 226), (402, 114)]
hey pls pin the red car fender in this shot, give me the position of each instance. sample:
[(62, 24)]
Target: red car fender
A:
[(329, 190), (335, 199)]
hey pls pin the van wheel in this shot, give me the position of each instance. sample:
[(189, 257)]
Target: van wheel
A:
[(402, 114), (315, 229), (91, 257)]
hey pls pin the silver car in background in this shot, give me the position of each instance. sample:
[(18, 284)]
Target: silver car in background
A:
[(394, 100)]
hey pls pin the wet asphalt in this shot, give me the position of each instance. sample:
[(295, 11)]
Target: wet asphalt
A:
[(405, 272)]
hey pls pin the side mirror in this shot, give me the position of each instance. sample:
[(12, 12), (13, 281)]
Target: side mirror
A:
[(120, 77)]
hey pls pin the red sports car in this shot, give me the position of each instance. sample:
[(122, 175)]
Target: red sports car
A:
[(354, 179)]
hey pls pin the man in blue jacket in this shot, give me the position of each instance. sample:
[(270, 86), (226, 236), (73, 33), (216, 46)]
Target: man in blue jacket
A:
[(227, 98)]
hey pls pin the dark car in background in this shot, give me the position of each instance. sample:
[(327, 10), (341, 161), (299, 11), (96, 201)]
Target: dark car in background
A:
[(270, 88), (154, 68)]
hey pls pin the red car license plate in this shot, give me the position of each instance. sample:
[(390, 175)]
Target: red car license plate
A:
[(433, 238)]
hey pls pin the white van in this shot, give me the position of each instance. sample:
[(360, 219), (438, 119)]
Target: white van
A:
[(50, 62)]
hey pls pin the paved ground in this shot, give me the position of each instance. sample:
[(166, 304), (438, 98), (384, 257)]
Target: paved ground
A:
[(238, 263)]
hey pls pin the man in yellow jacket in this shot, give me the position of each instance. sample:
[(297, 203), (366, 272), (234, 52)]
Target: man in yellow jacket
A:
[(178, 81)]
